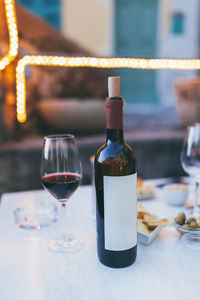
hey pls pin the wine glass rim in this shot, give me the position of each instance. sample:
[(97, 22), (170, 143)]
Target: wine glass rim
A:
[(59, 136)]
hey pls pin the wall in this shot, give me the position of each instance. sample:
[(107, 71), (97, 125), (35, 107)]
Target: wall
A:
[(89, 23)]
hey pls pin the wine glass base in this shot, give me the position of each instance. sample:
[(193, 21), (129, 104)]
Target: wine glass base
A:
[(191, 241), (66, 245)]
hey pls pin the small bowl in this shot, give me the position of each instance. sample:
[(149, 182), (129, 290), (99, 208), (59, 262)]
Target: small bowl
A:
[(36, 216), (192, 241), (175, 194), (183, 229)]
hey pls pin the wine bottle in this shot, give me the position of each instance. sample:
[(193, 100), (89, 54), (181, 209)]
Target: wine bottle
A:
[(116, 188)]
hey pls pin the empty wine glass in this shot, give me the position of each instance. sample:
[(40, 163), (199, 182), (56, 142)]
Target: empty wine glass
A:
[(190, 160), (61, 174)]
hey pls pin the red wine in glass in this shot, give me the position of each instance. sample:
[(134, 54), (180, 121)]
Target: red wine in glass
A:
[(61, 185)]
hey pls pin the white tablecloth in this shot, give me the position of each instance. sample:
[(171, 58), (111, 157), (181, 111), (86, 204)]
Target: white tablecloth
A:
[(29, 270)]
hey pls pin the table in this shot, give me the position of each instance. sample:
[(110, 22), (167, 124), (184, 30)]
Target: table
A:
[(28, 270)]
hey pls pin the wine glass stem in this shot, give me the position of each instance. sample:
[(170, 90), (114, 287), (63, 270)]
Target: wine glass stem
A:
[(63, 218)]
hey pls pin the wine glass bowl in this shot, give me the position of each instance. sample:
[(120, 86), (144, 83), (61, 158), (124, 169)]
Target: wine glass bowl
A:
[(190, 154), (61, 174), (190, 159)]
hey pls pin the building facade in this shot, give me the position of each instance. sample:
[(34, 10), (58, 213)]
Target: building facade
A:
[(138, 28), (131, 28)]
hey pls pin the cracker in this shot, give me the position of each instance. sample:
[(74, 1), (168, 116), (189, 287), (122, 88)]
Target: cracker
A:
[(143, 228), (149, 218)]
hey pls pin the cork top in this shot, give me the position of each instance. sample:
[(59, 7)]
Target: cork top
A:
[(114, 104), (113, 86)]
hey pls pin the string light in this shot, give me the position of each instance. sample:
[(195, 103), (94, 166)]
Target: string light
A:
[(93, 62), (12, 33)]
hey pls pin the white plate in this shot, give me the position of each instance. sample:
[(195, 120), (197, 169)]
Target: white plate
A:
[(146, 239)]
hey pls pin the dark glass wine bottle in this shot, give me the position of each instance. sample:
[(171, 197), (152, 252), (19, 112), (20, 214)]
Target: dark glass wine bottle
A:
[(116, 189)]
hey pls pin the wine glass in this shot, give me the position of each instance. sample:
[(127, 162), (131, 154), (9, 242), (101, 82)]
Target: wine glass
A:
[(61, 174), (190, 160)]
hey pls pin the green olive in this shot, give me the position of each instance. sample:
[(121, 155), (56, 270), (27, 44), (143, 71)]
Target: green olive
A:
[(193, 225), (190, 220), (180, 219)]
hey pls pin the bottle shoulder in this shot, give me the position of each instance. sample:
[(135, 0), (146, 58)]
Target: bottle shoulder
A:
[(113, 149), (119, 158)]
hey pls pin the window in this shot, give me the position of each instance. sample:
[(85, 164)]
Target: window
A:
[(177, 25)]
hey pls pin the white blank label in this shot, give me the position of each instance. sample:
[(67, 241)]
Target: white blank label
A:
[(120, 212)]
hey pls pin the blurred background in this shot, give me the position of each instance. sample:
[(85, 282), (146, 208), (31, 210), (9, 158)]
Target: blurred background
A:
[(159, 104)]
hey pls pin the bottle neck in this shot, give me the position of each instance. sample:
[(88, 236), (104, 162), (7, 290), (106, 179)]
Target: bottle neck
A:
[(114, 119), (115, 135)]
